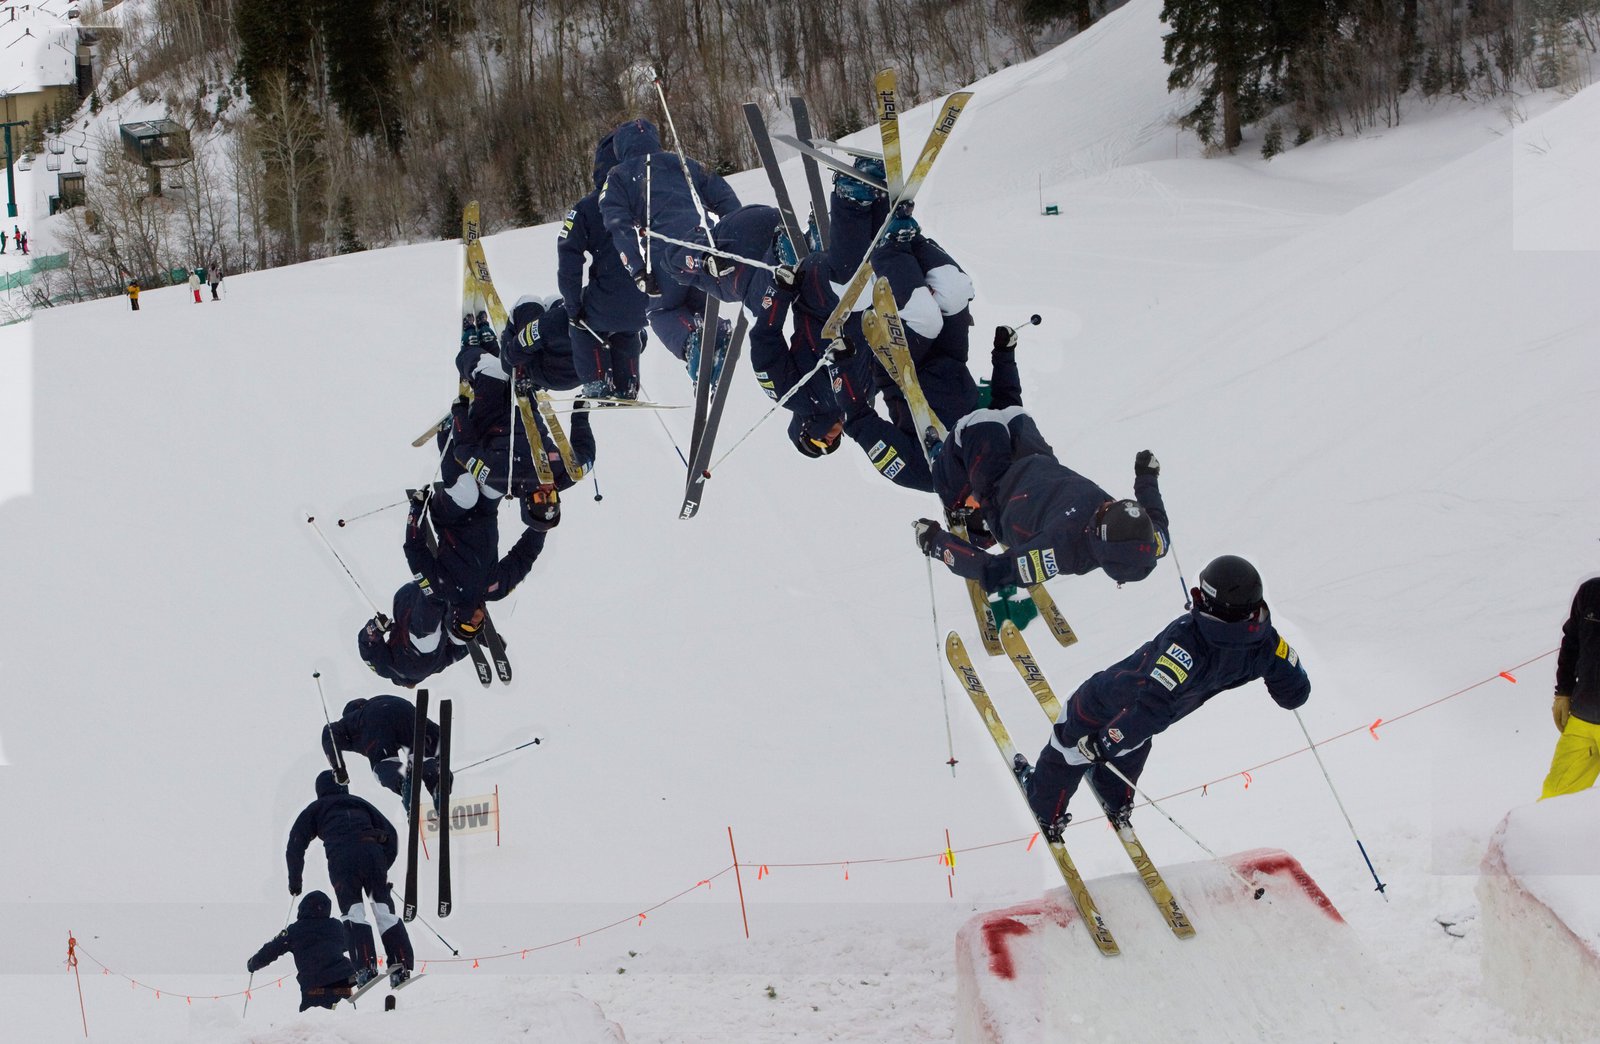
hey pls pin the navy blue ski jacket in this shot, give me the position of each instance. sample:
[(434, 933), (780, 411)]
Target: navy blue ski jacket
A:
[(609, 302), (318, 943), (342, 821), (1171, 676), (539, 340), (669, 209), (1044, 512), (377, 729)]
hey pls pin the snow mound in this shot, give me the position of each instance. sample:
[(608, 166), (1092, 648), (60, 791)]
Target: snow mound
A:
[(1541, 914), (1030, 972)]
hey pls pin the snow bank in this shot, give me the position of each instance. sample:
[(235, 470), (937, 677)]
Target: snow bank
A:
[(1541, 914), (1255, 970)]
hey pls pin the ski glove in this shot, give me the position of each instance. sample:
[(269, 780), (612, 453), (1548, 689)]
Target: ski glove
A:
[(1092, 749), (646, 282), (1146, 464), (1005, 339), (786, 277), (294, 886), (717, 267), (1561, 710), (928, 534), (340, 776), (841, 349)]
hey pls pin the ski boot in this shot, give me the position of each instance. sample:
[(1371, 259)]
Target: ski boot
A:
[(1120, 818), (856, 193), (692, 353), (397, 974), (487, 338), (600, 389)]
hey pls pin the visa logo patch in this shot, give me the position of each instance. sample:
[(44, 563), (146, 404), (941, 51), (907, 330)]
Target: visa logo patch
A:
[(1181, 655), (1050, 562)]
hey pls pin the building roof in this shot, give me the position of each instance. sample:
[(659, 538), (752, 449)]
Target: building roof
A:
[(38, 47)]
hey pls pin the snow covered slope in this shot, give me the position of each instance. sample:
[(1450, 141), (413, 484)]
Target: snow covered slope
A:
[(1349, 373)]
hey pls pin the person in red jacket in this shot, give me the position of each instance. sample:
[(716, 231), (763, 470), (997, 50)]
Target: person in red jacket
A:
[(1576, 709)]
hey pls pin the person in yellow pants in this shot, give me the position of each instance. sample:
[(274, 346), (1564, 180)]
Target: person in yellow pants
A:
[(1576, 709)]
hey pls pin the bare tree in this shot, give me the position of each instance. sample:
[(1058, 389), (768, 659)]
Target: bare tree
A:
[(288, 134)]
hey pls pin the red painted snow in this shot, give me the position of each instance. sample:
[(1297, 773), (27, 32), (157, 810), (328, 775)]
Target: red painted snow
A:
[(1272, 862), (997, 939)]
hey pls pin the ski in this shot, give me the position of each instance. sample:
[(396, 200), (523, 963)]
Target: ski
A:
[(413, 977), (490, 638), (884, 87), (1052, 615), (607, 402), (700, 463), (480, 663), (428, 436), (769, 160), (419, 739), (961, 663), (361, 991), (1033, 676), (442, 806), (946, 122), (884, 331), (816, 155), (479, 265), (703, 385), (839, 146), (819, 195)]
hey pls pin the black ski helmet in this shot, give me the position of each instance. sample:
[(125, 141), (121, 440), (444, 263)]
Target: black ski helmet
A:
[(353, 706), (1229, 588)]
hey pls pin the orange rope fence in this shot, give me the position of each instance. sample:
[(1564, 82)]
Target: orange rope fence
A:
[(944, 857)]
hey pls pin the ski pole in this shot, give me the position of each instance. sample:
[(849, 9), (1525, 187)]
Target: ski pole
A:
[(944, 695), (453, 951), (312, 519), (374, 511), (1188, 599), (1256, 890), (827, 357), (250, 984), (491, 757), (704, 248), (683, 161), (666, 430), (596, 482), (337, 756), (1382, 888), (1033, 320)]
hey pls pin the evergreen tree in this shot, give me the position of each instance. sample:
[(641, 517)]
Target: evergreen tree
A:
[(274, 37), (1218, 45), (345, 221)]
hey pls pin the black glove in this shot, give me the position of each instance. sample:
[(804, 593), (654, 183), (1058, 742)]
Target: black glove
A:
[(340, 776), (1005, 339), (1146, 464), (379, 623), (646, 282), (841, 348), (522, 383), (786, 277), (294, 886), (1092, 749), (717, 266), (576, 316), (928, 533)]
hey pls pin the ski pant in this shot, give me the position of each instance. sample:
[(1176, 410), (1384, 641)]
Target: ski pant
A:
[(327, 996), (982, 447), (361, 871), (1576, 762), (1061, 768), (610, 356)]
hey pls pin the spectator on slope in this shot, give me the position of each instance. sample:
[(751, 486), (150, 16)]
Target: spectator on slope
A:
[(382, 730), (133, 294), (1225, 641), (1576, 708), (22, 241), (996, 471), (361, 846), (2, 242), (318, 944), (200, 271), (194, 285), (646, 192), (607, 311), (214, 273)]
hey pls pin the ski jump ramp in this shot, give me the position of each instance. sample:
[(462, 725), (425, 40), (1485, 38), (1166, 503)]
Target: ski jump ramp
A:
[(1284, 967)]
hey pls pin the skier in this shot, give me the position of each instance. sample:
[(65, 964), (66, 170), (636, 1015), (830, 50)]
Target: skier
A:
[(2, 242), (647, 191), (607, 313), (996, 471), (361, 846), (1576, 762), (215, 273), (382, 730), (318, 944), (1226, 640), (456, 561), (133, 293), (200, 271), (194, 285)]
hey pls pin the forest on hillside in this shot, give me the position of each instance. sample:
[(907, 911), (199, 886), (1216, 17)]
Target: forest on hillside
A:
[(328, 126)]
